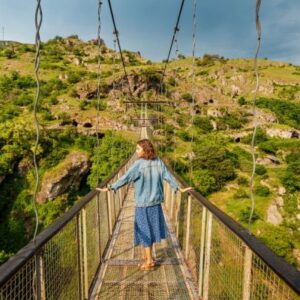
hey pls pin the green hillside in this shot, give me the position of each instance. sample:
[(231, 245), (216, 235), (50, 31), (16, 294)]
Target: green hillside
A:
[(205, 133)]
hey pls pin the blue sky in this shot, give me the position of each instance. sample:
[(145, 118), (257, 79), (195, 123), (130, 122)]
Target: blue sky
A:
[(223, 27)]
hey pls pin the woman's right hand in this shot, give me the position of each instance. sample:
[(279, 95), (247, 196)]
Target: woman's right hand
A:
[(186, 189)]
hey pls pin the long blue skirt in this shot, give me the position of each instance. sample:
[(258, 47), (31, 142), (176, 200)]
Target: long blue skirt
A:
[(149, 225)]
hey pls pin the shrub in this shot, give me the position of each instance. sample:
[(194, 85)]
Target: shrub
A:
[(64, 117), (23, 100), (184, 135), (53, 100), (243, 180), (245, 215), (232, 120), (110, 156), (280, 240), (291, 178), (9, 53), (187, 97), (242, 101), (260, 170), (262, 191), (204, 181), (260, 137), (171, 81), (203, 123), (73, 77), (83, 105), (269, 147), (240, 194), (216, 160)]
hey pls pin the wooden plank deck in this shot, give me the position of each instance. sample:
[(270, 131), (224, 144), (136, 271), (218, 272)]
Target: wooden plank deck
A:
[(119, 276)]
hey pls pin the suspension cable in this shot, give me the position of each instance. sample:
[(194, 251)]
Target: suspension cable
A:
[(193, 78), (98, 86), (119, 45), (176, 29), (258, 30), (38, 23), (114, 67)]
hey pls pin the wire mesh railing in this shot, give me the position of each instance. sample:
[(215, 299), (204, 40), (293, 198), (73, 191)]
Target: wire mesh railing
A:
[(66, 256), (224, 260)]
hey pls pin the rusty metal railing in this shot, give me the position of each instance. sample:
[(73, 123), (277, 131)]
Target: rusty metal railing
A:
[(66, 256), (225, 261)]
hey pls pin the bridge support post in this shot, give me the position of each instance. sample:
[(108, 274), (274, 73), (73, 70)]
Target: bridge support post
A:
[(98, 226), (188, 225), (85, 255), (167, 198), (78, 237), (201, 260), (177, 213), (120, 191), (109, 212), (40, 276), (172, 205), (247, 273), (207, 256)]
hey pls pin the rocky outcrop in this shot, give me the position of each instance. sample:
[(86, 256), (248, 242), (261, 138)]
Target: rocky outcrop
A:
[(88, 91), (269, 159), (283, 133), (235, 90), (281, 190), (65, 176), (214, 112), (24, 165), (138, 84), (273, 214)]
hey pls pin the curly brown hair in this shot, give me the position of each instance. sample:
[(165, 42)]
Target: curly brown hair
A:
[(148, 149)]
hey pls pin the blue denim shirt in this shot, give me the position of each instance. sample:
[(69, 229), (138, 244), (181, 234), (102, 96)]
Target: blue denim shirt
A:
[(147, 176)]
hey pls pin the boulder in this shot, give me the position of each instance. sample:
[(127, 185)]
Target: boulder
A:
[(281, 190), (273, 215), (283, 133), (269, 159), (235, 90), (65, 176), (214, 112), (279, 201)]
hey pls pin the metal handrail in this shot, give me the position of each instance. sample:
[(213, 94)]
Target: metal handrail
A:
[(18, 260), (285, 271)]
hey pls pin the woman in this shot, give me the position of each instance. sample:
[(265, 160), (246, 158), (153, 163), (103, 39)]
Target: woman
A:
[(147, 173)]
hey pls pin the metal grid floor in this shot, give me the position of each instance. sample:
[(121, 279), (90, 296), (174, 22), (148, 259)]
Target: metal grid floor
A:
[(119, 276)]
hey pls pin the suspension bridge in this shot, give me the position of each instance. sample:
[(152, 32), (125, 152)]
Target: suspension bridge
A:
[(89, 253)]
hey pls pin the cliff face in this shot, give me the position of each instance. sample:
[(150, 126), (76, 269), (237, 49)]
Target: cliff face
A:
[(66, 176)]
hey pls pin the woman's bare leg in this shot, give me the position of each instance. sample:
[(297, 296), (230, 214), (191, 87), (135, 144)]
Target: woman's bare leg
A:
[(148, 255)]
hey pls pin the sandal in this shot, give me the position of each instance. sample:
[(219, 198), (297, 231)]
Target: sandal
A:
[(146, 267), (152, 264)]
